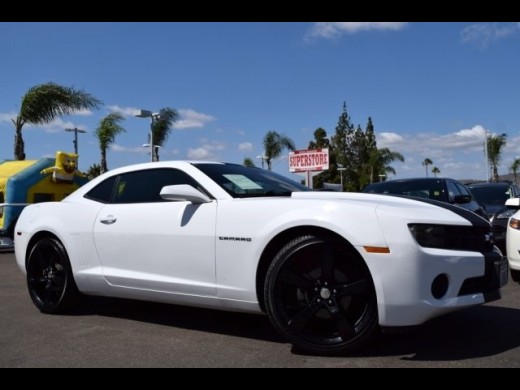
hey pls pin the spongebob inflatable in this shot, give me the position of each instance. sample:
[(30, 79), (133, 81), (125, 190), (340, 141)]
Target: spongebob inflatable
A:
[(65, 169)]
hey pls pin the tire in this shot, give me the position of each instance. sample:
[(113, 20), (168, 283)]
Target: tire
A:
[(515, 275), (49, 277), (320, 296)]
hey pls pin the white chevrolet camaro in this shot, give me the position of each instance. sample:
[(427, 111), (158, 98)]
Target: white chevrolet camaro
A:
[(329, 269)]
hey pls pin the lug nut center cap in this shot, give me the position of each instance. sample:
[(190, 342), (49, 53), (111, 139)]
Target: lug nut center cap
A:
[(325, 293)]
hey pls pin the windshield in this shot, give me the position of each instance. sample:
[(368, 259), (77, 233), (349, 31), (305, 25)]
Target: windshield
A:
[(242, 182), (492, 196)]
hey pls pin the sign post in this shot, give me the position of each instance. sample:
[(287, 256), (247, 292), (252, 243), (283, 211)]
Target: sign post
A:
[(309, 161)]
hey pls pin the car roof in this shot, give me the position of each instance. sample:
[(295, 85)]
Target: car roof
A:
[(494, 184)]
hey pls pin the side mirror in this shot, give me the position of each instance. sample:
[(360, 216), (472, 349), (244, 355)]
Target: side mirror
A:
[(184, 193), (462, 199), (513, 203)]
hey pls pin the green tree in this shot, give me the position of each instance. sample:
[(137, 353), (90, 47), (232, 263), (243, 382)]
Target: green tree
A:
[(515, 167), (248, 162), (341, 147), (94, 171), (426, 163), (320, 140), (436, 171), (44, 103), (109, 128), (495, 146), (274, 145), (162, 127), (381, 160)]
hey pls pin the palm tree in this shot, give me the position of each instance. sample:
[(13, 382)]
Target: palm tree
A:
[(427, 162), (515, 167), (94, 171), (162, 126), (274, 144), (436, 171), (381, 160), (495, 145), (248, 162), (106, 133), (44, 103)]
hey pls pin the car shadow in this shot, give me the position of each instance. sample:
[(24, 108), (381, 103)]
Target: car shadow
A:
[(478, 332), (251, 326)]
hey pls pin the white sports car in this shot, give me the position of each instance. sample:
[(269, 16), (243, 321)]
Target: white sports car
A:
[(513, 240), (329, 269)]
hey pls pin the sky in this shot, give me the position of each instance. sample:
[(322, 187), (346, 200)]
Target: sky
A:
[(433, 90)]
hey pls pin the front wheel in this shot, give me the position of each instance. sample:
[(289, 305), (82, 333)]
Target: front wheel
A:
[(320, 296), (49, 277)]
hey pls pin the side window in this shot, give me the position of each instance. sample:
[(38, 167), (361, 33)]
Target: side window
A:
[(463, 190), (146, 186), (453, 190), (103, 191)]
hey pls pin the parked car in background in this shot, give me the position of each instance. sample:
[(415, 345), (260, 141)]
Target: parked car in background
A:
[(513, 240), (493, 196), (442, 190)]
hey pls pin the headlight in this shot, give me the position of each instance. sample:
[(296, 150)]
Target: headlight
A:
[(459, 238), (506, 214), (429, 236), (514, 223)]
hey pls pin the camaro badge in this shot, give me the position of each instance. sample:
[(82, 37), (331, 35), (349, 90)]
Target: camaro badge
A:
[(236, 239)]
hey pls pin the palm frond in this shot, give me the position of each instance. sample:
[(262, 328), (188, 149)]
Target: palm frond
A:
[(45, 102)]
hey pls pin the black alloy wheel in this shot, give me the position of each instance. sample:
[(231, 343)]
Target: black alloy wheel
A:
[(49, 277), (320, 295)]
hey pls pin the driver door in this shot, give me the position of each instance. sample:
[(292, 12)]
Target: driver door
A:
[(144, 242)]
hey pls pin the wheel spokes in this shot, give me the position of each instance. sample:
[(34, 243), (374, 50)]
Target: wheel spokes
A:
[(327, 265), (356, 288), (298, 322), (296, 280), (345, 328)]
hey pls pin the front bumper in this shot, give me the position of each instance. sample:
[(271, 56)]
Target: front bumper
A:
[(405, 283)]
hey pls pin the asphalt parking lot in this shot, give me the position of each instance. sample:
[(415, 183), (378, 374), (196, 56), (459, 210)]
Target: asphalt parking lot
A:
[(120, 333)]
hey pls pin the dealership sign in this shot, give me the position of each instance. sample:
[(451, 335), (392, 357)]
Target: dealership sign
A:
[(309, 160)]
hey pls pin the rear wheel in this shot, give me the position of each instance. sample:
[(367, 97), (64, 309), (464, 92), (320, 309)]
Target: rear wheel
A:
[(49, 277), (515, 275), (320, 296)]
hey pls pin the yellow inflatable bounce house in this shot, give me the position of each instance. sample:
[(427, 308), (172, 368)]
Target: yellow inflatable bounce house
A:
[(34, 181)]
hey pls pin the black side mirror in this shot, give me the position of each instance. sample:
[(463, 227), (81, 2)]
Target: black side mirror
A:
[(462, 199)]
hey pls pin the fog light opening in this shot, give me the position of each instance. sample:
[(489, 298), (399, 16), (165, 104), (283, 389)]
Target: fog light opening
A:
[(440, 286)]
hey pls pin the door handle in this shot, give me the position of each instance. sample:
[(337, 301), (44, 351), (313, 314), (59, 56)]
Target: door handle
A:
[(109, 220)]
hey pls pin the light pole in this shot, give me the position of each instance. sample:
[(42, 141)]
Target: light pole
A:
[(154, 117), (75, 142), (341, 169), (263, 158)]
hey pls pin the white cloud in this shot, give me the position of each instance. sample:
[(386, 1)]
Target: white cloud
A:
[(388, 139), (191, 118), (126, 111), (209, 150), (335, 29), (483, 34), (58, 125), (459, 154), (125, 149), (245, 147), (7, 117), (83, 112)]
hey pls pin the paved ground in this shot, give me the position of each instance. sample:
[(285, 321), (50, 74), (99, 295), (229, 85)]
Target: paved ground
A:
[(113, 333)]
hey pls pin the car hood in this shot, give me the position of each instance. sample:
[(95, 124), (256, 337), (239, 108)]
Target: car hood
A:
[(416, 207)]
